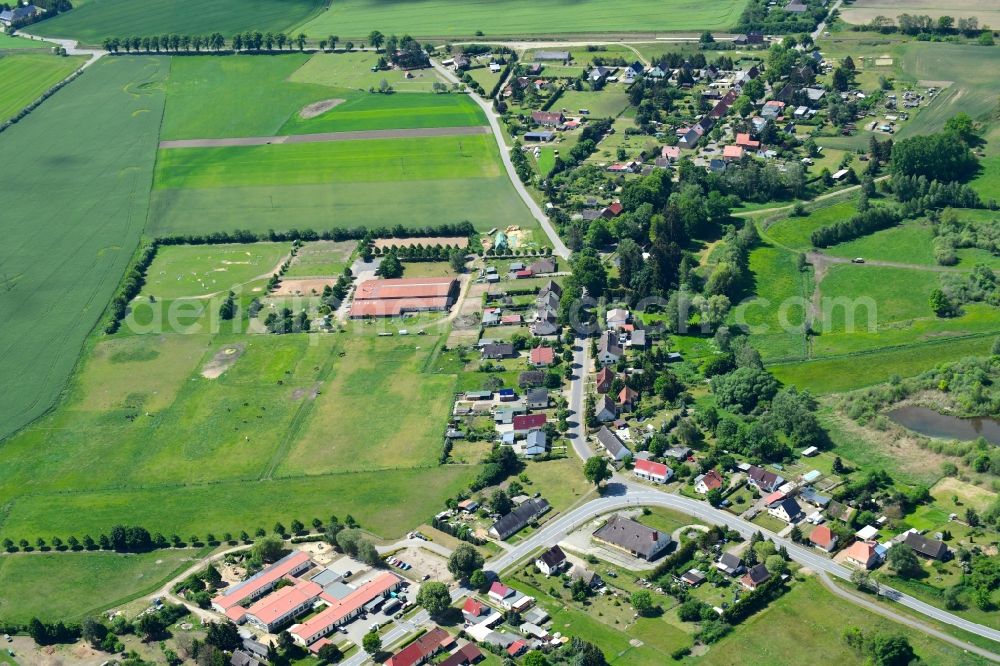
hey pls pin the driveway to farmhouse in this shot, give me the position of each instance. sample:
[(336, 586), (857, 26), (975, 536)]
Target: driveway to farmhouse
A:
[(322, 137)]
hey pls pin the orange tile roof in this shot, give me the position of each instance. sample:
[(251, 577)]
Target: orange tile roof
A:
[(392, 307), (263, 579), (404, 288), (341, 608), (272, 607)]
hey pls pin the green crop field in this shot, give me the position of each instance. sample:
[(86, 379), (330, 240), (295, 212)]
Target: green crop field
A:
[(353, 69), (909, 243), (987, 182), (194, 270), (71, 586), (784, 293), (98, 19), (794, 232), (82, 163), (26, 76), (210, 97), (426, 18), (896, 294), (145, 437), (608, 103), (398, 111), (330, 184)]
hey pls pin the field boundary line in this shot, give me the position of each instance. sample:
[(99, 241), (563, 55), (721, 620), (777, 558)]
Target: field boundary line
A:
[(323, 137), (879, 350)]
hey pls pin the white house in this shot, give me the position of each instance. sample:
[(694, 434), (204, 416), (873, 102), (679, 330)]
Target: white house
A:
[(551, 561), (652, 471), (787, 510)]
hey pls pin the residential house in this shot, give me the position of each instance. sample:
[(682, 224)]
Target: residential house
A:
[(762, 480), (677, 453), (537, 398), (498, 350), (670, 153), (730, 564), (612, 210), (732, 153), (19, 15), (861, 554), (543, 265), (605, 409), (464, 656), (692, 578), (814, 94), (517, 648), (599, 74), (547, 118), (547, 301), (632, 537), (743, 140), (461, 61), (609, 350), (755, 576), (614, 446), (637, 339), (603, 380), (473, 610), (691, 137), (551, 287), (628, 398), (591, 578), (525, 423), (421, 650), (519, 518), (710, 480), (652, 471), (930, 548), (542, 357), (617, 317), (530, 378), (536, 444), (551, 561), (823, 537), (546, 323), (787, 510), (656, 72)]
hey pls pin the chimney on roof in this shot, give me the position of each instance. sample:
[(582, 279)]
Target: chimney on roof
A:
[(656, 535)]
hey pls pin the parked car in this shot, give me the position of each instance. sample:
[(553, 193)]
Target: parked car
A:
[(858, 260)]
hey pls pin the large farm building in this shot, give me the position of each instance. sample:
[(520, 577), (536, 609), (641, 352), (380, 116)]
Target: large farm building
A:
[(391, 298)]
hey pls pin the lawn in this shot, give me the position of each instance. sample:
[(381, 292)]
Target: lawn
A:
[(608, 103), (364, 161), (873, 297), (851, 371), (809, 615), (428, 18), (561, 482), (340, 434), (8, 42), (197, 270), (70, 586), (375, 111), (987, 182), (908, 243), (353, 69), (26, 76), (82, 163), (98, 19), (321, 259), (794, 232)]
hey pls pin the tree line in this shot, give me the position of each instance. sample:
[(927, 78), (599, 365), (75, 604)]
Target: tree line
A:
[(249, 41)]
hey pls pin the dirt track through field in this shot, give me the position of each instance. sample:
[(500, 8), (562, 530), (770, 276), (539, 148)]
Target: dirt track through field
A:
[(360, 135)]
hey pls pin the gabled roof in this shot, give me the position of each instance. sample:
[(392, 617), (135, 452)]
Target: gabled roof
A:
[(711, 479), (611, 443), (520, 517), (422, 648), (924, 546), (861, 551), (474, 607), (757, 574), (633, 536), (822, 536), (543, 355), (790, 507), (651, 468), (627, 395), (604, 378), (730, 562), (605, 404), (553, 557), (498, 589), (609, 344), (529, 421)]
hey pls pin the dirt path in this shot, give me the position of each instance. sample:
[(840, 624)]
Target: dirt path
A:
[(323, 137), (818, 259)]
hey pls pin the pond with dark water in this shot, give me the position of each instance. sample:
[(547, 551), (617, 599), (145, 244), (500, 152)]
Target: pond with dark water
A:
[(934, 424)]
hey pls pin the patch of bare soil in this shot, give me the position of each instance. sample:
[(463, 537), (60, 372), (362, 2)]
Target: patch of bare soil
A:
[(308, 287), (309, 393), (222, 361), (318, 108)]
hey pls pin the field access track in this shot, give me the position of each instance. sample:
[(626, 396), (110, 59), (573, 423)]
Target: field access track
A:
[(421, 132)]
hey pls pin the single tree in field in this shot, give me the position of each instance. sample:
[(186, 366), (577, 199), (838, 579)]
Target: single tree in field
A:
[(376, 39)]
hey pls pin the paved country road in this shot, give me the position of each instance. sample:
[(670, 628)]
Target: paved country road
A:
[(322, 137), (558, 247)]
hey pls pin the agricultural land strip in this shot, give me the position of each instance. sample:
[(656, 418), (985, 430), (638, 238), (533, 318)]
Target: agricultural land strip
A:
[(26, 76), (327, 136), (82, 164)]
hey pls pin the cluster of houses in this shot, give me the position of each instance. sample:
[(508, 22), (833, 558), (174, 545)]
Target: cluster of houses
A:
[(293, 587), (518, 270), (483, 620), (518, 420), (545, 321)]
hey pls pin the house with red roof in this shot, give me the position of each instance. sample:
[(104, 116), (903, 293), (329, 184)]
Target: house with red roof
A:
[(473, 609), (517, 648), (652, 471), (525, 423), (604, 378), (498, 592), (710, 480), (422, 649), (732, 153), (861, 554), (743, 140), (824, 538), (541, 357), (627, 398), (612, 211)]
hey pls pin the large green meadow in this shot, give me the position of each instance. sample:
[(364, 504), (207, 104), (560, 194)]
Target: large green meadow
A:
[(26, 76), (430, 18), (82, 165), (71, 586), (98, 19)]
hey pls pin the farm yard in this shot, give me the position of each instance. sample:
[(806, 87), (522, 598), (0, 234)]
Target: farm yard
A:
[(26, 76), (432, 18), (97, 19), (83, 163)]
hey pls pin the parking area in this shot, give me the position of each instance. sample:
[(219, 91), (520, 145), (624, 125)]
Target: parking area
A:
[(356, 630)]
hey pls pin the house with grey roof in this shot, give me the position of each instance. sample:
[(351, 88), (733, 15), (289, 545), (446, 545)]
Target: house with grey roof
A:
[(609, 350), (612, 444), (605, 410), (632, 537), (519, 518)]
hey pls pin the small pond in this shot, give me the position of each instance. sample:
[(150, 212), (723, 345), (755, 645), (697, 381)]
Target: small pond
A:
[(934, 424)]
